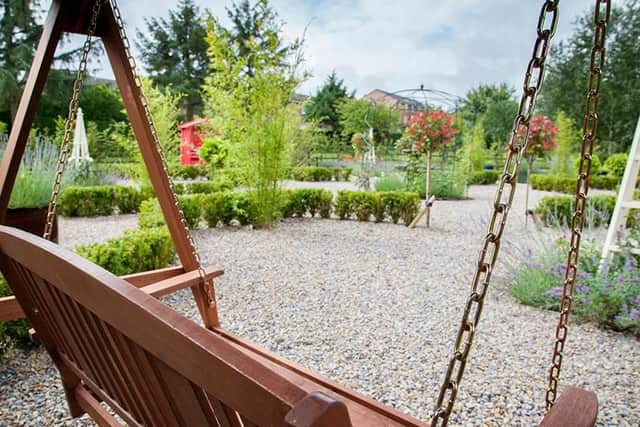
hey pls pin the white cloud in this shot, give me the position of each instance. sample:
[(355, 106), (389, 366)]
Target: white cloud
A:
[(451, 46)]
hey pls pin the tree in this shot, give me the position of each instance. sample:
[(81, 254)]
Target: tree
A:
[(476, 147), (567, 140), (174, 52), (257, 28), (248, 98), (478, 100), (566, 82), (102, 105), (357, 115), (323, 107), (19, 34), (498, 121)]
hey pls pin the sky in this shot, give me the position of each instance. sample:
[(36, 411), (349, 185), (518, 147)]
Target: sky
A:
[(394, 45)]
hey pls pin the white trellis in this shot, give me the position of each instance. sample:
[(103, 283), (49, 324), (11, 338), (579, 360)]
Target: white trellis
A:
[(80, 150)]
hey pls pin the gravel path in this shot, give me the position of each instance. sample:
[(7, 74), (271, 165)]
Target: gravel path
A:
[(375, 307)]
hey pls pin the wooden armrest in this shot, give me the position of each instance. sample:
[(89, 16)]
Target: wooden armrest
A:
[(184, 280), (574, 408), (148, 277), (10, 309)]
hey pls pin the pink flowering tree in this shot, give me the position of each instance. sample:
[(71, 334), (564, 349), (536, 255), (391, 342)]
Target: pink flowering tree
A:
[(542, 140), (425, 133)]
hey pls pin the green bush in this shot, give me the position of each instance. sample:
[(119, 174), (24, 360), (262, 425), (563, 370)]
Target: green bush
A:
[(393, 205), (484, 177), (135, 251), (616, 164), (101, 200), (390, 183), (310, 201), (87, 201), (151, 216), (204, 187), (315, 173), (188, 172), (610, 296), (219, 208), (596, 164), (567, 184), (15, 332), (558, 210)]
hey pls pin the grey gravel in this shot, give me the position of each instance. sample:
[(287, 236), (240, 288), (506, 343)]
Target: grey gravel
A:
[(376, 307)]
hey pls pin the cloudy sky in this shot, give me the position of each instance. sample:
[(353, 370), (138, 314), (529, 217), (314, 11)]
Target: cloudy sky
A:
[(393, 45)]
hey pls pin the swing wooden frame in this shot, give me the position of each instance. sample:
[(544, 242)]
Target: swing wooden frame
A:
[(113, 342)]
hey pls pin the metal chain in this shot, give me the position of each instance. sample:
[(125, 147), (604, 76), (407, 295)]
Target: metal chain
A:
[(208, 285), (602, 14), (534, 76), (71, 122)]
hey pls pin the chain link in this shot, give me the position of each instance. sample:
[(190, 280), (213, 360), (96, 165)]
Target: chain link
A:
[(534, 76), (208, 284), (71, 122), (602, 14)]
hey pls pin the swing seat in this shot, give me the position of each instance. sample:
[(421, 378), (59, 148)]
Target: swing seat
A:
[(114, 343)]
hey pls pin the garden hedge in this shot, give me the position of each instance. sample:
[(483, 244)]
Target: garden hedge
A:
[(101, 200), (134, 252), (315, 173), (484, 177), (567, 184), (394, 205)]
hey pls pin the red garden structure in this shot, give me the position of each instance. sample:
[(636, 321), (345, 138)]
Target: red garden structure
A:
[(190, 142)]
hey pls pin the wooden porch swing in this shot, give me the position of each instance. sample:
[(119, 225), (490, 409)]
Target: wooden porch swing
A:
[(113, 342)]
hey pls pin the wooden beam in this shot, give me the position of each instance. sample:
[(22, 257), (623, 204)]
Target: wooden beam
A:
[(176, 283), (148, 277), (10, 309), (131, 96), (28, 106)]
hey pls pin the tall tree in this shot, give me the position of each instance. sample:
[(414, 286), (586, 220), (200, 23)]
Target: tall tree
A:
[(356, 115), (174, 52), (323, 107), (19, 34), (567, 142), (479, 99), (566, 82), (257, 27)]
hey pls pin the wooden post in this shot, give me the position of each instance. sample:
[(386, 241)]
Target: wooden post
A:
[(28, 106), (526, 193), (427, 192)]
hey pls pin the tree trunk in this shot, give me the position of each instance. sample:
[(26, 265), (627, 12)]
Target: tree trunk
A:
[(427, 193), (526, 197)]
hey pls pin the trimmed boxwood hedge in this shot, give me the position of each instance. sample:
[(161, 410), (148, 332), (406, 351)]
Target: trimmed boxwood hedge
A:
[(558, 210), (315, 173), (101, 200), (567, 184)]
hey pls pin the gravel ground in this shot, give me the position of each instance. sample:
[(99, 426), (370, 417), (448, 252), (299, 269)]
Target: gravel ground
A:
[(376, 307)]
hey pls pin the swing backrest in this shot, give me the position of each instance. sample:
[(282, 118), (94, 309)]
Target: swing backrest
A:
[(152, 366)]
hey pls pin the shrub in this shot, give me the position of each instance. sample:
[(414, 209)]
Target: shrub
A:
[(390, 183), (484, 177), (15, 332), (315, 173), (616, 164), (393, 205), (558, 210), (101, 200), (610, 297), (567, 184), (596, 164), (220, 208), (135, 251), (151, 215), (307, 200), (188, 171), (87, 201)]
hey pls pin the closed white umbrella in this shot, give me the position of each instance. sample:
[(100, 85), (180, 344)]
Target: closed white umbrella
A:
[(80, 150)]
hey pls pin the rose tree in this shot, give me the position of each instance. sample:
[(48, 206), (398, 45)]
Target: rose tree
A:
[(426, 132)]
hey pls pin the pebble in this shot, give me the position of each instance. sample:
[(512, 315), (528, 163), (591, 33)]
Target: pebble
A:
[(376, 308)]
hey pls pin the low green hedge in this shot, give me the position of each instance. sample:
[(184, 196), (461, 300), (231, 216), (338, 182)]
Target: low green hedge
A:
[(150, 215), (558, 210), (101, 200), (134, 252), (484, 177), (15, 332), (393, 205), (315, 173), (204, 187), (308, 201), (567, 184), (188, 172)]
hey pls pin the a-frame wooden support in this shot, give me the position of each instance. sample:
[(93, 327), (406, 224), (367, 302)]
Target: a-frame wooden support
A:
[(72, 16)]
